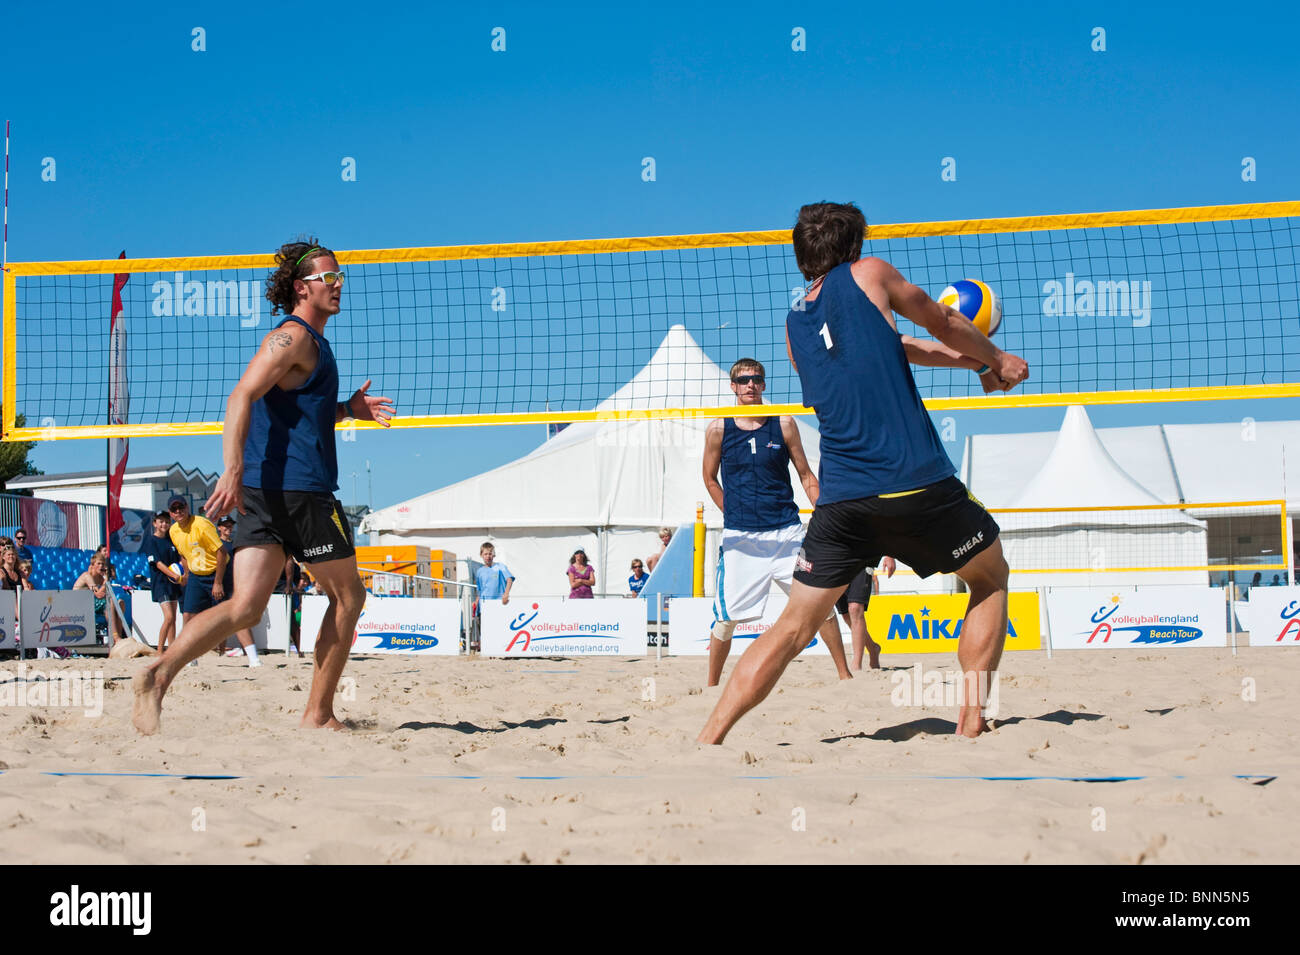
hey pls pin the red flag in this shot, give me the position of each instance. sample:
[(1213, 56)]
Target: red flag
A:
[(117, 403)]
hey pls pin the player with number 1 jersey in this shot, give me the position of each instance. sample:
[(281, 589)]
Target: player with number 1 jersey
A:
[(761, 531)]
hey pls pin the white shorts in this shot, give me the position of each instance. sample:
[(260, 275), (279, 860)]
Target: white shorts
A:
[(749, 562)]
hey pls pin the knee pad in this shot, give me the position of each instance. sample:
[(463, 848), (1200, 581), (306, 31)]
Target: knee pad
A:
[(723, 629)]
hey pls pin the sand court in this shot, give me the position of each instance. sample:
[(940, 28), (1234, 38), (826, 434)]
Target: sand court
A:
[(593, 760)]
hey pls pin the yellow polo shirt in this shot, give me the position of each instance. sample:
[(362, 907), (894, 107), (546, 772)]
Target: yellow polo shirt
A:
[(199, 545)]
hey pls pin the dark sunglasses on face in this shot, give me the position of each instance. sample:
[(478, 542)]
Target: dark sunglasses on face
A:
[(746, 379)]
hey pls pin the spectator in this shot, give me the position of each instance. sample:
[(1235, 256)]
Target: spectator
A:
[(582, 577), (102, 551), (202, 558), (164, 583), (25, 571), (20, 545), (291, 583), (665, 535), (247, 646), (10, 578), (1277, 581), (1255, 581), (95, 579), (493, 582), (638, 578)]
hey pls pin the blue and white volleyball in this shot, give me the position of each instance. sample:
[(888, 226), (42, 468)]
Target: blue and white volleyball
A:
[(976, 301)]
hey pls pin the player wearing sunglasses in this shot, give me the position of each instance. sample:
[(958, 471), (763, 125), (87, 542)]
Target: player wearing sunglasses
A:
[(761, 531), (281, 472)]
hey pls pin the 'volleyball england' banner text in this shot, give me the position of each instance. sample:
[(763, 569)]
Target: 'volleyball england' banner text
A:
[(554, 626), (1143, 618)]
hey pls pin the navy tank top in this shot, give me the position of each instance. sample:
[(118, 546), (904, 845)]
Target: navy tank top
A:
[(290, 444), (876, 436), (756, 492)]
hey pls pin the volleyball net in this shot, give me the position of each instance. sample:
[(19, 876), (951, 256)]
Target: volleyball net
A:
[(1153, 305)]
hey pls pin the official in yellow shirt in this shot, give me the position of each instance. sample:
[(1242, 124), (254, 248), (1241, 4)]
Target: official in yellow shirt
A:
[(202, 557)]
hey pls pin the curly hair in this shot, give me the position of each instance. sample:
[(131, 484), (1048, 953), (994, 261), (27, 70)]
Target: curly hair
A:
[(293, 261), (828, 234)]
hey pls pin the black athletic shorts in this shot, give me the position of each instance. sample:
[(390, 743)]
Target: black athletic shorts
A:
[(936, 529), (859, 592), (309, 525)]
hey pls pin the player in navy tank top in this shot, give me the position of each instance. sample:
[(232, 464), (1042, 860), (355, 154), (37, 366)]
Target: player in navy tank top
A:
[(761, 530), (887, 484), (280, 474)]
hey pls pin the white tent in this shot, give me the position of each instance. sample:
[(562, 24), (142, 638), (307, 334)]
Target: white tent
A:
[(606, 486), (1080, 472)]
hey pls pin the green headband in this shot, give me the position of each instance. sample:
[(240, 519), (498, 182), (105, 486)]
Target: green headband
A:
[(305, 254)]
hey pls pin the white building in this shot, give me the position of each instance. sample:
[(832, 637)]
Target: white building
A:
[(143, 488)]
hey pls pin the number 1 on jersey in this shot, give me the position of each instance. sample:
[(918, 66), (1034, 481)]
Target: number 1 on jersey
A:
[(753, 446), (826, 335)]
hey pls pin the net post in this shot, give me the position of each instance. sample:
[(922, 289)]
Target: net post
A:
[(1287, 536), (1045, 619), (10, 413), (1231, 591), (697, 588), (659, 627)]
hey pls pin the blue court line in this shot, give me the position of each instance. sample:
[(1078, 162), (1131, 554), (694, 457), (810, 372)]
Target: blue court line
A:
[(216, 777)]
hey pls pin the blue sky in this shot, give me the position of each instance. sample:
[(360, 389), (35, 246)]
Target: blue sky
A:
[(162, 150)]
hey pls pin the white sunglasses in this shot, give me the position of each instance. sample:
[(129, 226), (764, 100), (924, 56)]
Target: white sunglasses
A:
[(329, 278)]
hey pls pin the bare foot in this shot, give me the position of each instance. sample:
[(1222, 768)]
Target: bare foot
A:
[(971, 723), (146, 712), (846, 675), (330, 722)]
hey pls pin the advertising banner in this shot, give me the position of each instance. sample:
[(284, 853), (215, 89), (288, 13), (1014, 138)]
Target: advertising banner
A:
[(1144, 618), (554, 626), (7, 639), (931, 623), (277, 622), (49, 523), (147, 618), (428, 626), (57, 618), (1274, 616), (692, 619)]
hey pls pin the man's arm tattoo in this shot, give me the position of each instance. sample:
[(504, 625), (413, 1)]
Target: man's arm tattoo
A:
[(279, 340)]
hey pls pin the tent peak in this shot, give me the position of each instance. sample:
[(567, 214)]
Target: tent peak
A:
[(1080, 472)]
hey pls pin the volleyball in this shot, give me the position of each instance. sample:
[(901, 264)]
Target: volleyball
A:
[(976, 301), (176, 569)]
